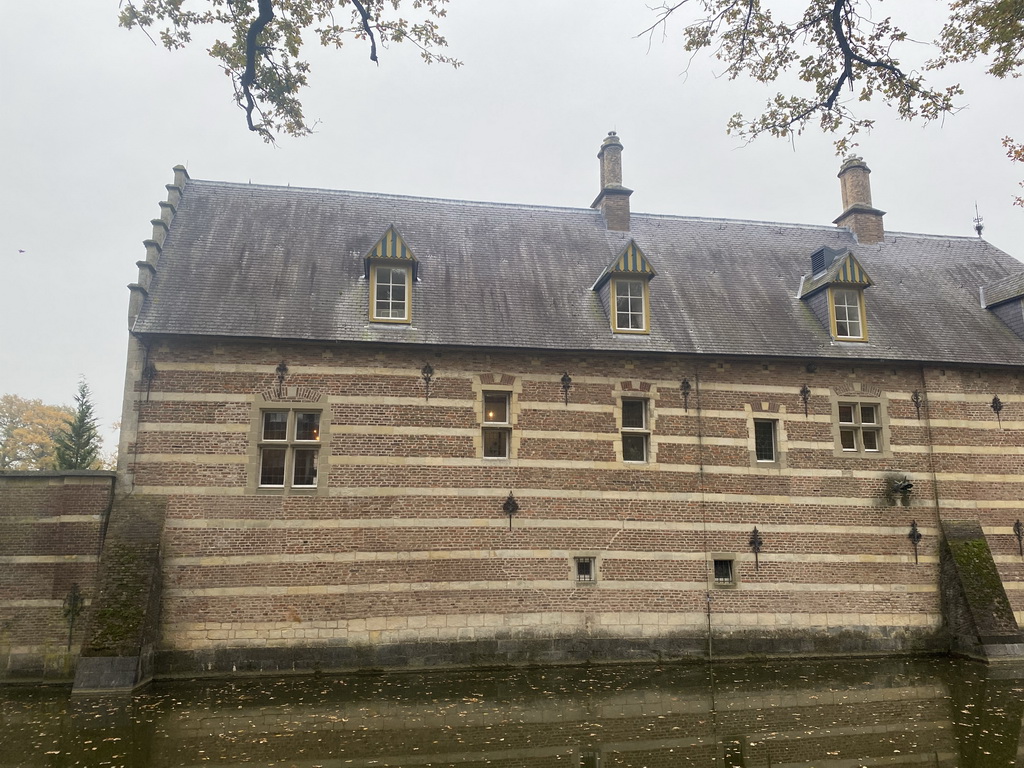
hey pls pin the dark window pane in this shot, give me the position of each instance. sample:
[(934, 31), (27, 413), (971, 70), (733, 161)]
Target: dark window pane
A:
[(634, 447), (272, 466), (305, 468), (496, 408), (634, 413), (275, 425), (307, 426), (584, 569), (764, 440), (870, 437), (867, 414), (496, 443), (846, 414), (848, 439), (723, 571)]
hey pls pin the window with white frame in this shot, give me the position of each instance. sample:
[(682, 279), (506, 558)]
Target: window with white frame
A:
[(860, 427), (847, 313), (766, 440), (289, 448), (635, 430), (390, 288), (630, 305), (497, 425)]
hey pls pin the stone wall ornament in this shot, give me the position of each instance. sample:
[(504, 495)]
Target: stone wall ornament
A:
[(897, 489)]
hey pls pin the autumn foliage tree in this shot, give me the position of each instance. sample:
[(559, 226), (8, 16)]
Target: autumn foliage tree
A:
[(26, 433)]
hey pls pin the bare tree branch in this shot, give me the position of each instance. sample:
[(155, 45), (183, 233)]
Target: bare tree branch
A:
[(248, 78), (367, 29)]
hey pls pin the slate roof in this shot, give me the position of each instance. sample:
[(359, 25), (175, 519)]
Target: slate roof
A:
[(1007, 289), (245, 260)]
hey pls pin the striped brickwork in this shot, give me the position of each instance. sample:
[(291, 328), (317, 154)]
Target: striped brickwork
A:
[(404, 541), (50, 527)]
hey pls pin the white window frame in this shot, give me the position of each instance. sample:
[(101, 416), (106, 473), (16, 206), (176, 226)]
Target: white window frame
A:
[(848, 302), (494, 426), (291, 446), (633, 292), (636, 434), (389, 303), (855, 427)]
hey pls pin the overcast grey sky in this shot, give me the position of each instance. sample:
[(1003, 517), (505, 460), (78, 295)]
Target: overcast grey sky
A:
[(94, 117)]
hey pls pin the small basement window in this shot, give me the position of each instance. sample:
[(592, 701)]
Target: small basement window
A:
[(723, 574), (586, 569)]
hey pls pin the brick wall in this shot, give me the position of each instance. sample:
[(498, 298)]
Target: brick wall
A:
[(404, 541), (50, 534)]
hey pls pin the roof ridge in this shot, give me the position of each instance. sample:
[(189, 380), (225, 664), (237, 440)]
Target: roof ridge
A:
[(580, 209)]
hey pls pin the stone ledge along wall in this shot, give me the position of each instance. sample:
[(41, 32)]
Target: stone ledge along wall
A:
[(402, 555), (51, 524)]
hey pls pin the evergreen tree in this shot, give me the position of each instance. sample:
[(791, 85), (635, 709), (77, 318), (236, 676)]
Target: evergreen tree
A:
[(77, 443)]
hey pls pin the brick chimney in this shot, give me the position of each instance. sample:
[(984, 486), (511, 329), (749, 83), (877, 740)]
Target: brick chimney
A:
[(613, 199), (859, 215)]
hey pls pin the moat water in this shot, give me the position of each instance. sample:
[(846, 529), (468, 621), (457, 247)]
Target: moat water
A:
[(844, 714)]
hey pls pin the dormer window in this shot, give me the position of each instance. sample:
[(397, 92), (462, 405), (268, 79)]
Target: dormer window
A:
[(834, 292), (847, 313), (391, 270), (629, 297), (624, 291), (390, 288)]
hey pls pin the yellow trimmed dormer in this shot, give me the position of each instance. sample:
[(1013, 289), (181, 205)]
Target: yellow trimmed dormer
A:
[(835, 292), (391, 269), (627, 280)]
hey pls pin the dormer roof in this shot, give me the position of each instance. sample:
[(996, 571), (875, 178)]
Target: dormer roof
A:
[(630, 261), (840, 268), (391, 247)]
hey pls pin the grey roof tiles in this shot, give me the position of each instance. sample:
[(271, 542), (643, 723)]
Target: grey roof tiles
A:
[(287, 263)]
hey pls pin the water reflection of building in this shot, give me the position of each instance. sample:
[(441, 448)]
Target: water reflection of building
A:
[(822, 714)]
